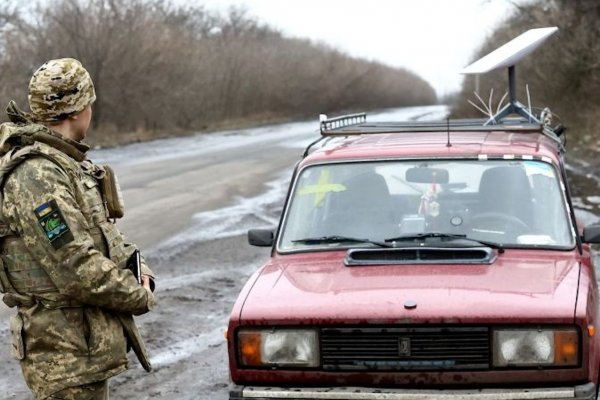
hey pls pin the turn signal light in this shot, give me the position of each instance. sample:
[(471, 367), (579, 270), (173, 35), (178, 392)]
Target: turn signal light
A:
[(249, 345), (565, 348)]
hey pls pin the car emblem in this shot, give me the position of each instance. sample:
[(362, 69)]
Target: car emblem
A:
[(404, 347)]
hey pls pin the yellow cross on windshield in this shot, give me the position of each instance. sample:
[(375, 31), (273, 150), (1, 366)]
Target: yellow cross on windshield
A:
[(322, 187)]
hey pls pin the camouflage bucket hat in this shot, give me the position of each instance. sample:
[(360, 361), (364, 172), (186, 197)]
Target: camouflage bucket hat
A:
[(60, 88)]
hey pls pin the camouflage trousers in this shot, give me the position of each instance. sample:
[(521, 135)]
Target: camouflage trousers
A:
[(92, 391)]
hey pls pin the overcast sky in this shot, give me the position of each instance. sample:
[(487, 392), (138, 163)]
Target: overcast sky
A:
[(434, 38)]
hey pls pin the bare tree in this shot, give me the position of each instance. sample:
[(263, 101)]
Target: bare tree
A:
[(162, 67)]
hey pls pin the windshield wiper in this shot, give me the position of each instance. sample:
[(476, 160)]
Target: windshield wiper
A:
[(425, 235), (451, 236), (338, 239)]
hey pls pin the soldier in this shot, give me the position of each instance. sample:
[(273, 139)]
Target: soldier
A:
[(64, 262)]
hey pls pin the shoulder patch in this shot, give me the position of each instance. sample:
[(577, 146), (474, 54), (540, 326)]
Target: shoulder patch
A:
[(54, 225)]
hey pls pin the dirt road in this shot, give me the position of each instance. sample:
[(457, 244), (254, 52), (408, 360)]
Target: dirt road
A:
[(189, 203)]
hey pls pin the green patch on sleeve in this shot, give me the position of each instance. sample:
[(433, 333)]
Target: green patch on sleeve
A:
[(54, 225)]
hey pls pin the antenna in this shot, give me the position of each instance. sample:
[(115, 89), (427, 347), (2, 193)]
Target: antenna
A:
[(448, 144), (509, 55), (529, 99)]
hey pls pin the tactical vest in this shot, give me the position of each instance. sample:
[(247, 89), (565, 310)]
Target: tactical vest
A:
[(24, 280)]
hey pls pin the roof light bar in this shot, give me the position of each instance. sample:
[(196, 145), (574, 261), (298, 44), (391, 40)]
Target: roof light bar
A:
[(328, 124)]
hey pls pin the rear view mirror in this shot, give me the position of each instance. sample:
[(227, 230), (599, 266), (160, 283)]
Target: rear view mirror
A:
[(591, 234), (261, 237), (427, 175)]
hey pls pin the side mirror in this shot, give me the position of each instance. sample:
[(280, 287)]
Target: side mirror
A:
[(591, 234), (261, 237)]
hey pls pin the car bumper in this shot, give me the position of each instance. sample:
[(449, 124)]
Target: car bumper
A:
[(587, 392)]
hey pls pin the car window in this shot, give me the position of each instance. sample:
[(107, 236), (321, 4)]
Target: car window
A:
[(510, 202)]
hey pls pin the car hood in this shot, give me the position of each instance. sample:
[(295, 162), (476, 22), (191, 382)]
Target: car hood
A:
[(520, 286)]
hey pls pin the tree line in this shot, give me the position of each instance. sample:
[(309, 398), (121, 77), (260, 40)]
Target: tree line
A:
[(563, 74), (158, 66)]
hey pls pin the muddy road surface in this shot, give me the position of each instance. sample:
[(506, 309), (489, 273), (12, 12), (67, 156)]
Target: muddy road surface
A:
[(189, 202)]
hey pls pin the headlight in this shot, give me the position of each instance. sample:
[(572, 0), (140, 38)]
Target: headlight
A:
[(544, 347), (279, 347)]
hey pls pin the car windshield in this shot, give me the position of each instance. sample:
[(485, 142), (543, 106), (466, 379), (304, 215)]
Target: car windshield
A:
[(516, 203)]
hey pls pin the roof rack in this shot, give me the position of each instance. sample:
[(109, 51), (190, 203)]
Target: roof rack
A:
[(356, 124), (452, 125)]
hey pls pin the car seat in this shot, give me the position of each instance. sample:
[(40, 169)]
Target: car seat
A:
[(504, 200), (364, 210)]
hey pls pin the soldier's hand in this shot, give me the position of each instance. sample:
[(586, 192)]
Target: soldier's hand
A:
[(146, 283)]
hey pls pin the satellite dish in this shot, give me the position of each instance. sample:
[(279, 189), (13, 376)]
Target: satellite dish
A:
[(512, 52), (507, 56)]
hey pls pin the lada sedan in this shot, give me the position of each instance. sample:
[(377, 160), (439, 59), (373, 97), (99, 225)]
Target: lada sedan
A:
[(418, 261)]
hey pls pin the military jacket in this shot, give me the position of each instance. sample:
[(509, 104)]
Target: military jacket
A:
[(65, 262)]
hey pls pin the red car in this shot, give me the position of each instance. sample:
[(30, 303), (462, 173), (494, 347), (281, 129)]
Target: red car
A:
[(423, 261)]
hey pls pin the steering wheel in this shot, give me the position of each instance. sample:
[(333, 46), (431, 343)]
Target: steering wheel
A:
[(502, 221)]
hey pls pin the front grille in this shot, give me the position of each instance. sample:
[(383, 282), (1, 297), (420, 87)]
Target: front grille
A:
[(414, 349)]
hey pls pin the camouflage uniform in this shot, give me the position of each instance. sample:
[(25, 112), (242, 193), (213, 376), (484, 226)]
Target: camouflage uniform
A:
[(63, 261)]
